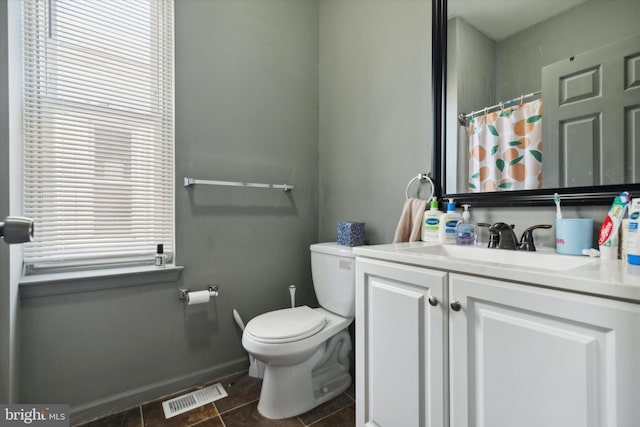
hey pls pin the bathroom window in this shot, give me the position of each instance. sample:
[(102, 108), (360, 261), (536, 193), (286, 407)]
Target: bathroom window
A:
[(98, 132)]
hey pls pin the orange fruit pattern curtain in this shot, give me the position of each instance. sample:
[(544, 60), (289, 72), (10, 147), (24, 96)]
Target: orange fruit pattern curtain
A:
[(505, 149)]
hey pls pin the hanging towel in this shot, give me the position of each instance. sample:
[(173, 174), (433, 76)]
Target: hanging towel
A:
[(410, 225)]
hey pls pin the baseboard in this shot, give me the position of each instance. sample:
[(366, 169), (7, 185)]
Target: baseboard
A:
[(134, 397)]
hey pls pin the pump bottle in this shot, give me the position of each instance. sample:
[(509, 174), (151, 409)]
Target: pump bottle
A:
[(465, 231), (448, 223), (431, 223)]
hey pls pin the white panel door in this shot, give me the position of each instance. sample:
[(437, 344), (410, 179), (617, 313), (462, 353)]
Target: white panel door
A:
[(591, 117), (531, 357), (399, 345)]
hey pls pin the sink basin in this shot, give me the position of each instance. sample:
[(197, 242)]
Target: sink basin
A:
[(536, 260)]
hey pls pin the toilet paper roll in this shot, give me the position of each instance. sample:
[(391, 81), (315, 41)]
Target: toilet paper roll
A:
[(198, 297)]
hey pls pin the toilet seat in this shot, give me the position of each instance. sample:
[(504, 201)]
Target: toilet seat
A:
[(287, 325)]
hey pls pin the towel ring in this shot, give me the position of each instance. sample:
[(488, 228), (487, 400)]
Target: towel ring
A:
[(423, 177)]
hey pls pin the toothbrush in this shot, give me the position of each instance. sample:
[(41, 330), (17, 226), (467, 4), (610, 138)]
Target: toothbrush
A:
[(556, 199)]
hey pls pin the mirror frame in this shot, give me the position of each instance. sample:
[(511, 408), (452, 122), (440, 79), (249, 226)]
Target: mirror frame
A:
[(589, 195)]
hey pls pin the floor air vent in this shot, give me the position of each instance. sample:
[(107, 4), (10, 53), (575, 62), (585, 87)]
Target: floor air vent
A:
[(189, 401)]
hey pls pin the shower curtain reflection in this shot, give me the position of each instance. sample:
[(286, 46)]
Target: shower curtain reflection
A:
[(505, 149)]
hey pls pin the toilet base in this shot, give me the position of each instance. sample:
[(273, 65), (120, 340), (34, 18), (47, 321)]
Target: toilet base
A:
[(288, 391)]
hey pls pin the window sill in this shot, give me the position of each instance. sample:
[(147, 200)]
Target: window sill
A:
[(86, 281)]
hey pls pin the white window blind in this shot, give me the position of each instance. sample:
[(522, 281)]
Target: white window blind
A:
[(98, 131)]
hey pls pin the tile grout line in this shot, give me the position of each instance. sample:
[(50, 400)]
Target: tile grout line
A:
[(206, 419), (236, 407), (326, 416), (219, 415)]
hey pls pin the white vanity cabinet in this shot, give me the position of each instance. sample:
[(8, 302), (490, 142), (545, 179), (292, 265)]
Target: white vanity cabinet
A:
[(490, 353), (528, 356), (400, 338)]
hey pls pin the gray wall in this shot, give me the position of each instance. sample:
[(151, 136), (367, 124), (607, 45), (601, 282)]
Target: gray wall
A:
[(375, 110), (471, 71), (592, 24), (246, 110), (475, 66)]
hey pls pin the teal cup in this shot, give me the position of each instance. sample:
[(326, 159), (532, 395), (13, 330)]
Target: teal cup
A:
[(573, 235)]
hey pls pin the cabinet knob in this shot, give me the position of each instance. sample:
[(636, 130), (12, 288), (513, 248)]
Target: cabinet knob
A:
[(455, 305), (433, 300)]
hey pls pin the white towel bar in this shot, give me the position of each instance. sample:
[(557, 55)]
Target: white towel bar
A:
[(190, 182)]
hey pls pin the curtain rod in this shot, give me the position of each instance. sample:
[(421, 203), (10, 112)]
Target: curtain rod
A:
[(462, 117)]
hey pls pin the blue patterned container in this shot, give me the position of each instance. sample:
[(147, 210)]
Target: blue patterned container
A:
[(350, 233)]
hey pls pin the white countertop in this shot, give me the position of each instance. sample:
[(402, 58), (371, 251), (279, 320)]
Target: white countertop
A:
[(607, 278)]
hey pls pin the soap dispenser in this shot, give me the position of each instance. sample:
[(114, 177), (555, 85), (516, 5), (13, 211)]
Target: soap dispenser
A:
[(465, 231), (431, 223), (448, 223)]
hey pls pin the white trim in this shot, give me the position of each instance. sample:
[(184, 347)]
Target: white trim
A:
[(137, 396), (14, 118), (87, 281)]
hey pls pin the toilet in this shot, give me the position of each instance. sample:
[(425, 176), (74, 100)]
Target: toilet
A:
[(306, 350)]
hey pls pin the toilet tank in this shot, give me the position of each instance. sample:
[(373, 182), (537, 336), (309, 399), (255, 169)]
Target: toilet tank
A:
[(334, 279)]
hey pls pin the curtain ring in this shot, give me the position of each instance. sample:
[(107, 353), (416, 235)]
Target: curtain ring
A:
[(501, 107), (521, 99), (485, 110)]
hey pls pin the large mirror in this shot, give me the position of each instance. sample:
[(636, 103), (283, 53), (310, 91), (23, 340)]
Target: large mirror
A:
[(537, 97)]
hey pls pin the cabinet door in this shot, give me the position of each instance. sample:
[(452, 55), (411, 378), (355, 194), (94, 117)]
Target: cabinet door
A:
[(525, 356), (399, 345)]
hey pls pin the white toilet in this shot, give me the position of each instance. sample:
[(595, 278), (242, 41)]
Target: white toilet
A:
[(305, 350)]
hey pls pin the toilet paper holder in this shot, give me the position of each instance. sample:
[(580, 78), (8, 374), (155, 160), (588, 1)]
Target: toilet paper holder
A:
[(183, 293)]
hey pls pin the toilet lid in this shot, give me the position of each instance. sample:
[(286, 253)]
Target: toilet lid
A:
[(289, 324)]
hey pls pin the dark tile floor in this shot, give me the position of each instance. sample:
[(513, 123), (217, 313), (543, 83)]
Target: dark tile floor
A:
[(238, 409)]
